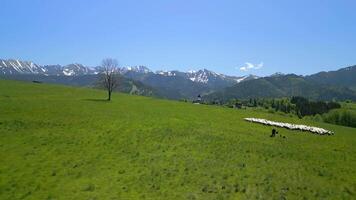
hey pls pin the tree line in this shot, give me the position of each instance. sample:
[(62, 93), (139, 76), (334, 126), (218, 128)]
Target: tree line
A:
[(340, 117), (295, 105)]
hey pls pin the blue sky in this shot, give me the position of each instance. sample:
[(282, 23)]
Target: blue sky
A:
[(232, 37)]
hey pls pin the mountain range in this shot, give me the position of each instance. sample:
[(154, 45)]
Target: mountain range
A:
[(286, 86), (167, 84), (12, 67), (338, 85)]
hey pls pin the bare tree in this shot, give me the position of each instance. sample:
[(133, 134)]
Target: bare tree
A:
[(109, 75)]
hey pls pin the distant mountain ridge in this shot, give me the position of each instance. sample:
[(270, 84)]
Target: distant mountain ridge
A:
[(339, 84), (12, 66), (170, 84), (343, 77), (333, 85), (72, 74)]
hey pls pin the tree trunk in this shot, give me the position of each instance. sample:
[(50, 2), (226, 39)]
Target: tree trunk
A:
[(109, 95)]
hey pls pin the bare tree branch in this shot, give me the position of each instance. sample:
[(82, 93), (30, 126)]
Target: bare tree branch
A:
[(109, 75)]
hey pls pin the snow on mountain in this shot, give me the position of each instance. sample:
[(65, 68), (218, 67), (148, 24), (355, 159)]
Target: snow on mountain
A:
[(246, 78), (12, 66), (201, 76), (52, 70), (137, 69), (76, 69), (166, 73), (204, 76), (241, 79), (15, 66)]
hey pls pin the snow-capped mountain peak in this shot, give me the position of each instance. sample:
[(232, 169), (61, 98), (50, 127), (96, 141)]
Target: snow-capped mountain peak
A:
[(76, 69), (12, 66), (245, 78), (241, 79), (201, 76), (137, 69), (206, 76), (166, 73)]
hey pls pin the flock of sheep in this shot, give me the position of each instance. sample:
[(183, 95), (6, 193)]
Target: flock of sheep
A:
[(316, 130)]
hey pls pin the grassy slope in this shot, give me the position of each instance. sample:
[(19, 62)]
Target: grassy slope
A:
[(63, 143), (349, 106)]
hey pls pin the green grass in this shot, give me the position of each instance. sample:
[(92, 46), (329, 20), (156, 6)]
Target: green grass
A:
[(65, 143), (349, 106)]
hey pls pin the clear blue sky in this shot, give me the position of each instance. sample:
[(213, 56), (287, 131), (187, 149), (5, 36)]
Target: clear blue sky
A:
[(300, 36)]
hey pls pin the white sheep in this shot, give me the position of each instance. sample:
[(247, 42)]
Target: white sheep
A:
[(312, 129)]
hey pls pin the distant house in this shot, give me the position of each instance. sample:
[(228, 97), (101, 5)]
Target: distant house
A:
[(197, 100)]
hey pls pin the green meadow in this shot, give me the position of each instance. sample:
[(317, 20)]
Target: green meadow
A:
[(62, 142)]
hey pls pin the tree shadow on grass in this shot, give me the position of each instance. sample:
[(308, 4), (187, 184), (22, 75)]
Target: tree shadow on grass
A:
[(96, 100)]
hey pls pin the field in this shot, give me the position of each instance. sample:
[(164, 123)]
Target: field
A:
[(68, 143)]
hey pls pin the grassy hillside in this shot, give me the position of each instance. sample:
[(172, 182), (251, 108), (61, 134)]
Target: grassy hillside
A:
[(126, 85), (66, 143)]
